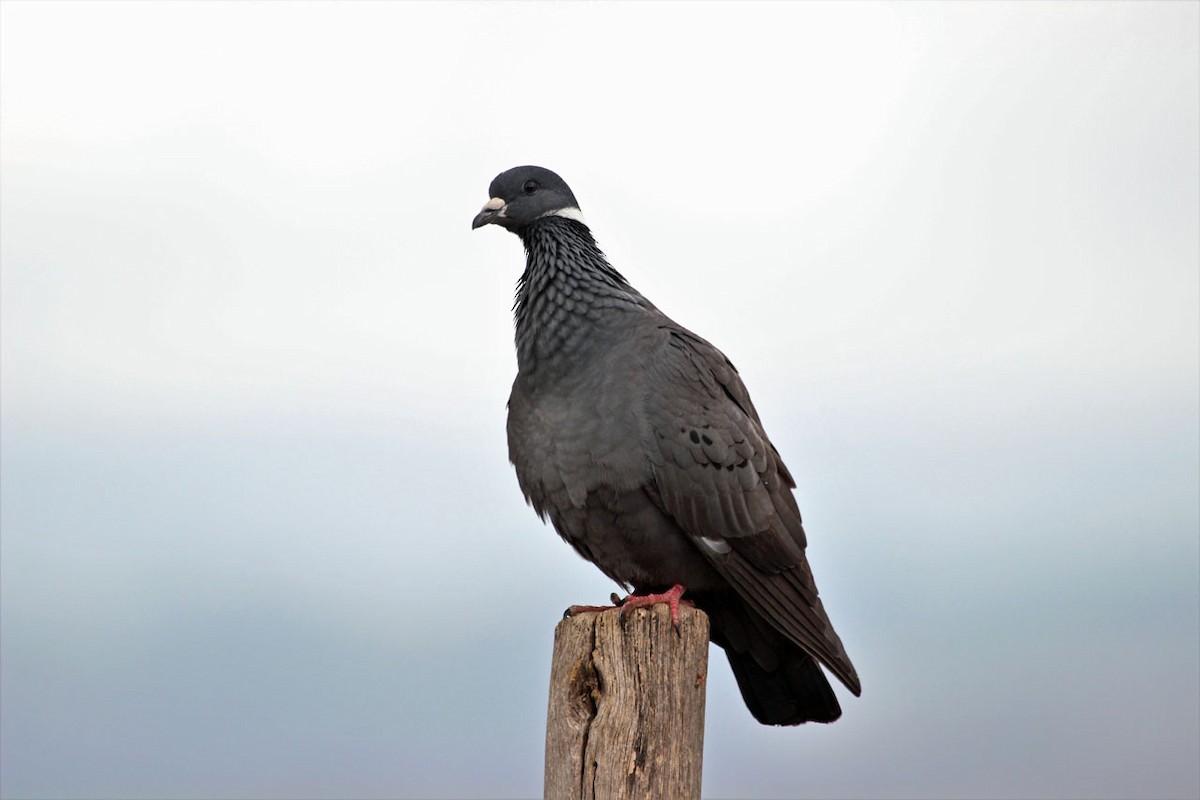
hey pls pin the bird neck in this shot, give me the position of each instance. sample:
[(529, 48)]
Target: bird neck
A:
[(569, 296)]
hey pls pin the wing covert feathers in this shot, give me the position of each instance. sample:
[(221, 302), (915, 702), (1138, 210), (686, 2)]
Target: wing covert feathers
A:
[(723, 482)]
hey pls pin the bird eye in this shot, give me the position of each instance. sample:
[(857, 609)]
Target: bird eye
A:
[(530, 187)]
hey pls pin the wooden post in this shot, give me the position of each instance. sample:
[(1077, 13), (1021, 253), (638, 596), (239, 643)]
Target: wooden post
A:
[(626, 712)]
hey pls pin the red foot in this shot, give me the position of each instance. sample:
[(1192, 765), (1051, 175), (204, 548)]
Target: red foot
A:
[(573, 610), (672, 597)]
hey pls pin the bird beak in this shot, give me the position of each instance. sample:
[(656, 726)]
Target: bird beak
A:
[(492, 210)]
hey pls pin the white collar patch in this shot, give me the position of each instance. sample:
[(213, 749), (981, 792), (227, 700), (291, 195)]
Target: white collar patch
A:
[(570, 213)]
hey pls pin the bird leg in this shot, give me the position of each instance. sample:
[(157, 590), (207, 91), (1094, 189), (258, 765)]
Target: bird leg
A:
[(573, 610), (672, 597)]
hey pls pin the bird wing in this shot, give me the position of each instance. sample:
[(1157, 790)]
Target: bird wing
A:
[(718, 475)]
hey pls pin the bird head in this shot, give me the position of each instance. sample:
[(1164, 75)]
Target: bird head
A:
[(525, 194)]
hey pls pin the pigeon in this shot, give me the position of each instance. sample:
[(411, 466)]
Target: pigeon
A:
[(638, 441)]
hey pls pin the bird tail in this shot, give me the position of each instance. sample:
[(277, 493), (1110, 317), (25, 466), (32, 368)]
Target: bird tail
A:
[(793, 693), (780, 683)]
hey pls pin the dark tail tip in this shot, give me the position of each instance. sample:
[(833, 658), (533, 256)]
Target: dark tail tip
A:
[(796, 692)]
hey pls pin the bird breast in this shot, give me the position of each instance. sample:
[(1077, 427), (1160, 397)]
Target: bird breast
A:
[(573, 436)]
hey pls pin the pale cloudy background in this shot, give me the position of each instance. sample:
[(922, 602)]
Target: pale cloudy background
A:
[(260, 536)]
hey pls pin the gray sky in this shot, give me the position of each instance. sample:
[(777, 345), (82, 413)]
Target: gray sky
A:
[(260, 535)]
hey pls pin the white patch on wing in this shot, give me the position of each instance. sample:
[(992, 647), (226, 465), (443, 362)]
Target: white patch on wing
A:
[(570, 213), (715, 546)]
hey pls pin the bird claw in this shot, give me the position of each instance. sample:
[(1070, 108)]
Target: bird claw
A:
[(574, 610), (672, 597)]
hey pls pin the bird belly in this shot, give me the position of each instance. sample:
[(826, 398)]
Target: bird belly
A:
[(633, 541), (580, 460)]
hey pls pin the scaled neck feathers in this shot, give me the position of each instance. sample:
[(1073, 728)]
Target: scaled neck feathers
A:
[(568, 296)]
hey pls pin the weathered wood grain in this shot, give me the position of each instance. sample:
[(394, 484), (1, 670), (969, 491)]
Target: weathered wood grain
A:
[(626, 713)]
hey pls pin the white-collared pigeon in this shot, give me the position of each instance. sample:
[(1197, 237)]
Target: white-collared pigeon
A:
[(638, 441)]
